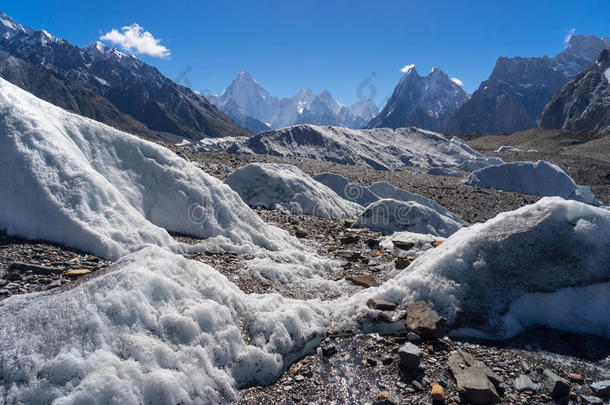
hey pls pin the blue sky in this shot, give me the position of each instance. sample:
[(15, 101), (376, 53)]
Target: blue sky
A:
[(321, 44)]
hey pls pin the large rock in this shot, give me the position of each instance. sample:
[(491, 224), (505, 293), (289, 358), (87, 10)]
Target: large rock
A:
[(475, 381), (559, 387), (410, 356), (525, 384), (424, 321), (601, 388)]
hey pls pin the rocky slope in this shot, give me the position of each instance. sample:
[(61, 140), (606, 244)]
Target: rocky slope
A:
[(424, 102), (513, 97), (583, 103), (246, 101), (132, 86), (56, 89)]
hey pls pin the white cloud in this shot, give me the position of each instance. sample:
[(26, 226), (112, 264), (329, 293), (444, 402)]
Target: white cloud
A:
[(134, 39), (457, 81), (569, 35), (406, 68)]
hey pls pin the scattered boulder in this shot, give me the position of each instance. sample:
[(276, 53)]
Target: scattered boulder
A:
[(402, 263), (349, 239), (475, 381), (410, 356), (301, 232), (381, 305), (601, 388), (349, 254), (413, 337), (13, 276), (384, 398), (525, 384), (403, 244), (363, 280), (559, 387), (437, 243), (424, 321), (590, 399), (577, 378)]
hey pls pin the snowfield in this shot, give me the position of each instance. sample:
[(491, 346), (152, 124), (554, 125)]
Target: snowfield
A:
[(159, 329), (75, 181), (540, 178), (287, 188), (381, 148)]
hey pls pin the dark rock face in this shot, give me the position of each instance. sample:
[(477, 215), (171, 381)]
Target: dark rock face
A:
[(513, 97), (56, 89), (583, 103), (423, 102), (133, 87)]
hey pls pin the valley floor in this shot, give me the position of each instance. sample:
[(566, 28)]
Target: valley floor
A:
[(363, 368)]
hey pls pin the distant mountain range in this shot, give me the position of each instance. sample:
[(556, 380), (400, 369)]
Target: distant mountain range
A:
[(250, 105), (583, 103), (112, 87), (424, 102), (134, 88), (513, 97)]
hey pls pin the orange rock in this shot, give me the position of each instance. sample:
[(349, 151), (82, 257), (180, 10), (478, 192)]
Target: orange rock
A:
[(76, 273), (438, 393), (437, 243)]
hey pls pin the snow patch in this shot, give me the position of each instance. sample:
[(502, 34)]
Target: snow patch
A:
[(389, 216), (607, 74), (485, 268), (540, 178), (286, 187)]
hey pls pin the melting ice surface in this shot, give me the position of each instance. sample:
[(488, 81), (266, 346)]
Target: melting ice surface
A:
[(158, 328)]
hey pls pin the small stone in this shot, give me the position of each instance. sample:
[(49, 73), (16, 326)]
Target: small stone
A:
[(372, 243), (575, 377), (474, 380), (34, 268), (525, 384), (381, 305), (13, 276), (349, 239), (349, 254), (525, 367), (76, 273), (329, 350), (383, 398), (413, 337), (362, 280), (401, 263), (417, 385), (424, 321), (299, 378), (371, 361), (437, 243), (438, 393), (403, 245), (590, 399), (601, 388), (301, 232), (559, 387), (410, 356)]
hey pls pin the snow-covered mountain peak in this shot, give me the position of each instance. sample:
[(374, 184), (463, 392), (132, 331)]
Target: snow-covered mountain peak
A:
[(10, 27), (424, 102)]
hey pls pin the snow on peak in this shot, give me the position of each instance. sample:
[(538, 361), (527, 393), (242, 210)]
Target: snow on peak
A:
[(408, 69)]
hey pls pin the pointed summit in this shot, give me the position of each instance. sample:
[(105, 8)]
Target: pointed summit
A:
[(424, 102)]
